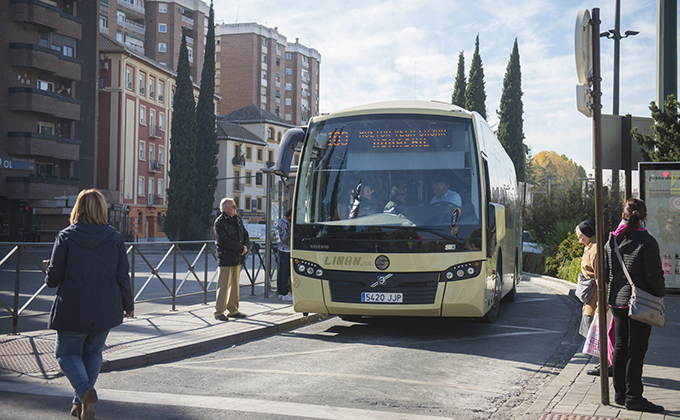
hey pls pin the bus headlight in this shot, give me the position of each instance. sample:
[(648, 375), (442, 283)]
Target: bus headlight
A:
[(463, 271), (309, 269)]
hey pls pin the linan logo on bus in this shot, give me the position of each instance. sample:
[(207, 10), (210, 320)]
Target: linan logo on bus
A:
[(340, 260)]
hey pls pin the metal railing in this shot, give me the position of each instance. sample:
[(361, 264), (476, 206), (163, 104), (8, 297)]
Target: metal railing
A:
[(144, 265)]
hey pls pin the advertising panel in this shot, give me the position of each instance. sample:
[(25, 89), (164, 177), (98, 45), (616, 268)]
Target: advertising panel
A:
[(660, 189)]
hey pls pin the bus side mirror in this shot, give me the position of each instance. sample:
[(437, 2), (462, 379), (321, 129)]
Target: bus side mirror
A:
[(287, 148)]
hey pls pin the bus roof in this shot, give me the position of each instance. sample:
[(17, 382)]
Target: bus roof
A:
[(415, 107)]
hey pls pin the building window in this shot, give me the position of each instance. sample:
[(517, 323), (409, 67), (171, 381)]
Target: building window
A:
[(249, 178), (152, 83), (141, 83), (142, 115), (278, 137), (140, 186), (270, 155), (151, 187), (247, 207), (289, 86), (128, 78), (161, 87), (44, 39), (278, 62), (162, 47), (260, 154), (259, 203), (160, 188), (160, 154), (152, 122), (191, 54), (119, 36), (270, 133), (289, 102), (289, 72), (258, 181), (163, 28), (151, 154), (264, 58), (44, 168), (103, 22), (289, 56), (162, 8), (142, 149), (46, 86), (237, 200), (249, 153), (45, 128), (161, 122)]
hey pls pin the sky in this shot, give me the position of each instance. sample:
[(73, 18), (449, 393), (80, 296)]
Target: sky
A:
[(377, 50)]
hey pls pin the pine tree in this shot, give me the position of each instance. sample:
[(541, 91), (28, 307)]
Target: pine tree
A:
[(206, 142), (180, 223), (458, 97), (665, 145), (511, 123), (475, 95)]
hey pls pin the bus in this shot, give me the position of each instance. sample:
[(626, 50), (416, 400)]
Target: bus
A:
[(403, 208)]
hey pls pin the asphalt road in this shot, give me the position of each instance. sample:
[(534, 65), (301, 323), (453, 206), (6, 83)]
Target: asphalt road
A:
[(385, 368)]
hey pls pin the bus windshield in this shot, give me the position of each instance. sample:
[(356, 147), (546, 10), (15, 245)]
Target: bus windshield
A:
[(389, 182)]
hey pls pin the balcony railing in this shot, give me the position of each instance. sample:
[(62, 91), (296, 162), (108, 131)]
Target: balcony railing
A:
[(155, 131), (187, 20), (131, 6), (134, 26), (154, 166)]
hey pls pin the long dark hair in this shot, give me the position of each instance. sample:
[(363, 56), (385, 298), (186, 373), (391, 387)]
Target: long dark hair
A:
[(634, 211)]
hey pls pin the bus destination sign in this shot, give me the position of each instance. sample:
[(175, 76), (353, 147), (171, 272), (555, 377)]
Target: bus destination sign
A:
[(389, 139)]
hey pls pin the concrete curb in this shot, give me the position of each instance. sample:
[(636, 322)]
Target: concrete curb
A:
[(121, 360)]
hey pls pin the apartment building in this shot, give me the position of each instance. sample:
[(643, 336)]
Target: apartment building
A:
[(154, 28), (40, 66), (256, 65), (135, 111), (248, 140)]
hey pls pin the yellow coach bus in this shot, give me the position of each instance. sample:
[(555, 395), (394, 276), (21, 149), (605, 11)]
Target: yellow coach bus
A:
[(403, 208)]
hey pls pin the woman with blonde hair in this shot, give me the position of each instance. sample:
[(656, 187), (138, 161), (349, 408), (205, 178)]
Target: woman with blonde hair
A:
[(89, 267)]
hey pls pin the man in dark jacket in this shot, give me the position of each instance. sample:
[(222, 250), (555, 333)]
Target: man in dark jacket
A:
[(232, 242)]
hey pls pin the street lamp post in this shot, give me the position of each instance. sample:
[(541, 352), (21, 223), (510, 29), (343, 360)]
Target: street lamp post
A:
[(615, 34)]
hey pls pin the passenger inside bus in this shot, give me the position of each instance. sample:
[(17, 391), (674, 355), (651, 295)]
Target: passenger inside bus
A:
[(364, 202)]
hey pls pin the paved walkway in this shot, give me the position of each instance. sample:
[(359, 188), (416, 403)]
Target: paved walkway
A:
[(157, 337)]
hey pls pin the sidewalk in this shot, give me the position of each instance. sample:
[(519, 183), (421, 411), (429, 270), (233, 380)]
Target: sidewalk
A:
[(157, 337), (574, 395)]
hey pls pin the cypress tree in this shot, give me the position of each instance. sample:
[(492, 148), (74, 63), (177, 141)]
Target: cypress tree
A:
[(206, 142), (511, 123), (458, 96), (475, 95), (180, 223), (665, 145)]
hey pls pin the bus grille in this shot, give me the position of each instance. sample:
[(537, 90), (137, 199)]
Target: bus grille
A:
[(417, 289)]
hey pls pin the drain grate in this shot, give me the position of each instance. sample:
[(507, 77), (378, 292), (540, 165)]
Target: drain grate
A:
[(27, 355)]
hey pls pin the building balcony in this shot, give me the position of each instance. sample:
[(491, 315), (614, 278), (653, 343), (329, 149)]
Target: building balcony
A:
[(34, 100), (154, 166), (37, 144), (134, 47), (189, 21), (133, 26), (103, 30), (39, 188), (155, 131), (154, 200), (42, 58), (132, 7), (38, 13)]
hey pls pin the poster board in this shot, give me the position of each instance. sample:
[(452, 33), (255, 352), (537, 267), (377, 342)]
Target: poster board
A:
[(660, 189)]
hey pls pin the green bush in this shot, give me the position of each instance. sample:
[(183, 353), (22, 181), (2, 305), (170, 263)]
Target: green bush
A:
[(570, 271), (570, 249), (533, 263)]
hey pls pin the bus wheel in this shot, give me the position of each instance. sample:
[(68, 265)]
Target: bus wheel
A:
[(350, 318), (491, 316)]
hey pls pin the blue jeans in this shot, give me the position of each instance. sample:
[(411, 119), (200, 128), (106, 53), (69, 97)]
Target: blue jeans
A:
[(80, 358), (283, 275)]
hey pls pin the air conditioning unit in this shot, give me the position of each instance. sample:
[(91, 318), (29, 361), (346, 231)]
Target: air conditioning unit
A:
[(104, 65), (181, 9)]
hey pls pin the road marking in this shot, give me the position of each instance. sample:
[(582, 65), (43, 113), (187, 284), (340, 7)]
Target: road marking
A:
[(280, 408), (344, 375)]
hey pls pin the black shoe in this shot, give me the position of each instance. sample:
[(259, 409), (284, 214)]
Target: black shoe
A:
[(644, 405), (596, 371), (237, 315), (222, 318)]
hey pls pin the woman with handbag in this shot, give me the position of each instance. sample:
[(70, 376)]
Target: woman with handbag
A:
[(639, 253), (588, 285)]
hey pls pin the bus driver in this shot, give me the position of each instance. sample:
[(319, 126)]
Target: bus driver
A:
[(443, 195)]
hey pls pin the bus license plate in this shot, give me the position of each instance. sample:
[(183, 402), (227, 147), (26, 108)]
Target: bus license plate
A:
[(382, 297)]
